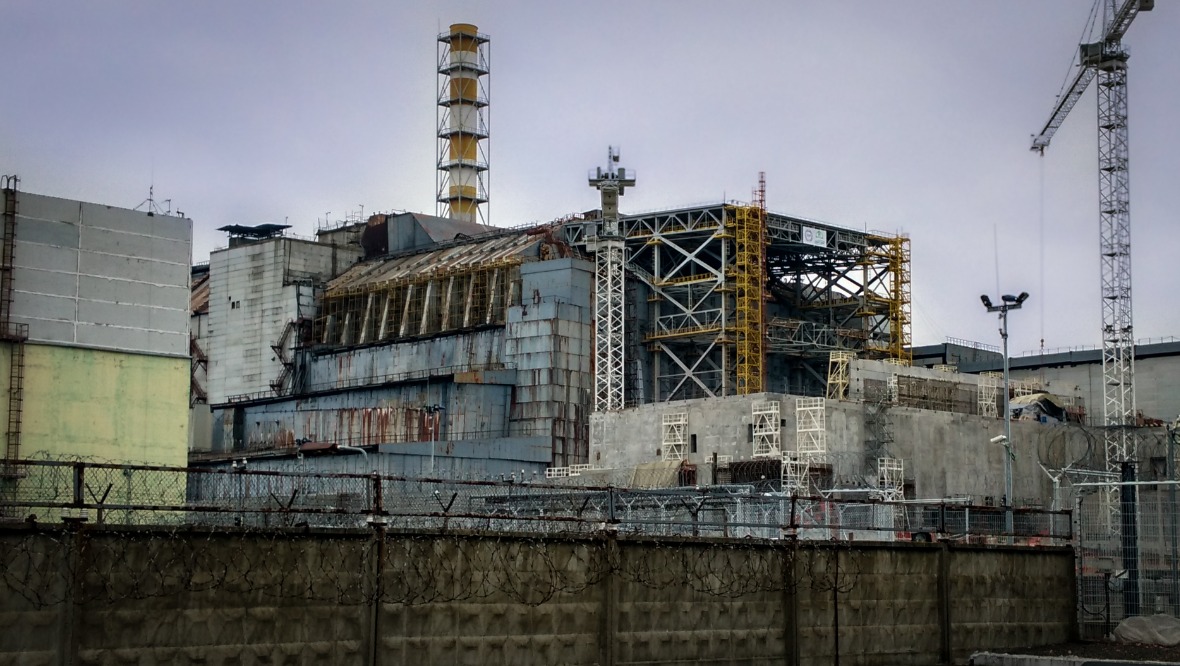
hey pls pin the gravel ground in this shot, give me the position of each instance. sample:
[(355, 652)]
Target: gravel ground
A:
[(1105, 650)]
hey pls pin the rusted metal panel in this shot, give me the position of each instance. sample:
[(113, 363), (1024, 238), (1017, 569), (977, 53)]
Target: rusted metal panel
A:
[(507, 377)]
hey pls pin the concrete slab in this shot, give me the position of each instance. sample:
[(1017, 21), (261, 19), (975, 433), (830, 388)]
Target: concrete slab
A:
[(47, 232), (39, 207), (44, 257)]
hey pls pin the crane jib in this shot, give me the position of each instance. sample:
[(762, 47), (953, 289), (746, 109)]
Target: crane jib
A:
[(1091, 57)]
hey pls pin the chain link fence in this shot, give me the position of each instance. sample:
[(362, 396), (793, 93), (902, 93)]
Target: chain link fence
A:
[(1128, 551), (50, 491)]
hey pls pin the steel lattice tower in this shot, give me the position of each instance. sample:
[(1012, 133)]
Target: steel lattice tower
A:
[(749, 279), (1118, 340), (610, 255), (1106, 60)]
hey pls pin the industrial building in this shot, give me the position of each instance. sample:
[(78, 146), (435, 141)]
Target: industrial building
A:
[(713, 342), (1076, 370), (452, 337), (422, 345), (476, 343), (94, 321)]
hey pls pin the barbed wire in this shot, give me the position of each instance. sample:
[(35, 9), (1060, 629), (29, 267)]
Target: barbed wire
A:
[(99, 533)]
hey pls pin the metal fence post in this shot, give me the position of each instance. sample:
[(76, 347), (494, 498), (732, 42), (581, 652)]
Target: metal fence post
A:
[(79, 484), (610, 506), (1079, 562)]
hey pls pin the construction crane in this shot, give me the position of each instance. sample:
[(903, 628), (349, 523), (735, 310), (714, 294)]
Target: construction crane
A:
[(1106, 59)]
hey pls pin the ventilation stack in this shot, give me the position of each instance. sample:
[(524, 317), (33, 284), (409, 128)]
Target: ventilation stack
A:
[(462, 178)]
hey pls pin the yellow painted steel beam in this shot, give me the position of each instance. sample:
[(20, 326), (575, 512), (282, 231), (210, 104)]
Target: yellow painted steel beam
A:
[(686, 332), (687, 279)]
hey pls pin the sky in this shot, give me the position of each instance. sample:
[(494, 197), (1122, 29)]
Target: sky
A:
[(904, 116)]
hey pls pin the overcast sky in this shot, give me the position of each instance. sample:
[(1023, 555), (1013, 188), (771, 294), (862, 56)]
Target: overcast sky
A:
[(898, 116)]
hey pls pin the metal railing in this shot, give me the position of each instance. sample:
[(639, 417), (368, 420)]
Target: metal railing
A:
[(51, 491)]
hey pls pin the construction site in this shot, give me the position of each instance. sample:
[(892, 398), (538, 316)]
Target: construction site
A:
[(718, 341), (718, 370)]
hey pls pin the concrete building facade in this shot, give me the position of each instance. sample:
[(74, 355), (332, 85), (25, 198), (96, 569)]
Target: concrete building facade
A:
[(453, 350), (95, 312), (935, 427), (1076, 371)]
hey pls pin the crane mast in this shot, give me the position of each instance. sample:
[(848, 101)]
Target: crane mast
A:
[(1106, 60)]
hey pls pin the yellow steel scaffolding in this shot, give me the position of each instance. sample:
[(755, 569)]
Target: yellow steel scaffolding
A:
[(749, 276), (895, 251)]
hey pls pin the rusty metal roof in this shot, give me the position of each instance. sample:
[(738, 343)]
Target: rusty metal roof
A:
[(442, 229), (520, 246)]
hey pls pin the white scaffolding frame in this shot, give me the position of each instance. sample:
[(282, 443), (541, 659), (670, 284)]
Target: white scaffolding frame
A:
[(811, 428), (673, 443), (767, 437), (796, 476), (838, 364), (891, 479), (989, 385), (1022, 387)]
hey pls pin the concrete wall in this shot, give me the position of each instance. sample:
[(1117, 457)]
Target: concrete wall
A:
[(1157, 385), (255, 290), (946, 454), (104, 405), (97, 276), (524, 385), (549, 340), (1078, 371), (367, 417), (349, 597), (363, 366)]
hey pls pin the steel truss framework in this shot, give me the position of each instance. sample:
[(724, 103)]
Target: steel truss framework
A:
[(609, 292), (1106, 59), (749, 278), (1118, 339), (419, 305), (826, 288)]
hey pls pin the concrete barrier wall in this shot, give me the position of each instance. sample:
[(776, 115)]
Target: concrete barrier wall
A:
[(101, 596)]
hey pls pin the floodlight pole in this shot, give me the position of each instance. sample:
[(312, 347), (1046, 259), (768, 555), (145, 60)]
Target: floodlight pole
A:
[(1007, 303), (1008, 522)]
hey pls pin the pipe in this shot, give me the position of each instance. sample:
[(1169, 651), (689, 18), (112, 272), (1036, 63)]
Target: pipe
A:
[(355, 449)]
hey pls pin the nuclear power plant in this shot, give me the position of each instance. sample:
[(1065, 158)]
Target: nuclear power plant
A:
[(422, 404), (713, 343)]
